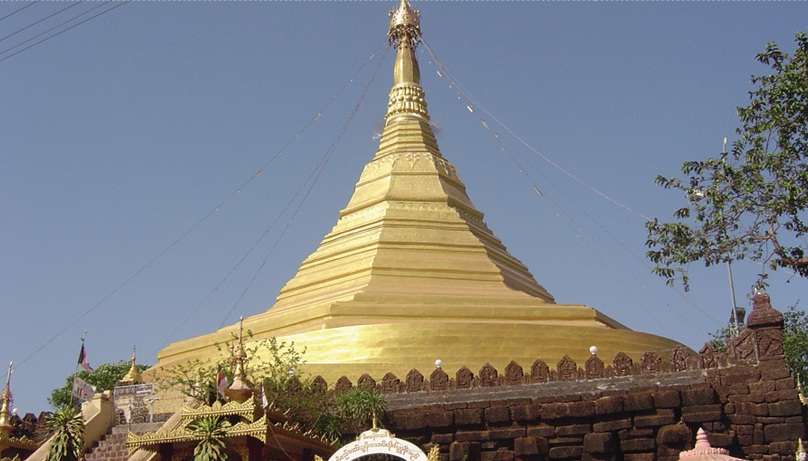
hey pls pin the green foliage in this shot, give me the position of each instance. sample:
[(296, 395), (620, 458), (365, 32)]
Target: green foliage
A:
[(795, 343), (104, 378), (357, 407), (276, 366), (67, 428), (213, 430), (749, 202)]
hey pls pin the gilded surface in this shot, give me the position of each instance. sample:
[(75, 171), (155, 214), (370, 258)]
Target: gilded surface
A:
[(411, 273)]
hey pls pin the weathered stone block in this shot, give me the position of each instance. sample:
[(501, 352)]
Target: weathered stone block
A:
[(721, 440), (783, 448), (555, 410), (573, 429), (460, 450), (638, 457), (782, 432), (638, 402), (787, 408), (660, 418), (528, 412), (471, 436), (739, 374), (542, 430), (584, 409), (674, 435), (667, 399), (603, 442), (497, 414), (467, 416), (741, 419), (702, 413), (755, 409), (699, 397), (608, 405), (439, 419), (507, 432), (566, 452), (525, 446), (442, 439), (785, 384), (608, 426), (638, 445), (773, 369)]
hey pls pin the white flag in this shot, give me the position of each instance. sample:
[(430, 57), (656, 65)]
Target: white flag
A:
[(82, 389)]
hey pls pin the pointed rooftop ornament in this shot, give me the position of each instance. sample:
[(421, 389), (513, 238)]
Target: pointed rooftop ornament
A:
[(5, 406), (133, 375), (406, 98), (704, 452), (801, 455), (240, 390)]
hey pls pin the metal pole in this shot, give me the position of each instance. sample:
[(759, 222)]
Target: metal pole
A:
[(734, 304)]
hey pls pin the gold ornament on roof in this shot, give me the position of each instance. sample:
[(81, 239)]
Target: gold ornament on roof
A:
[(405, 22)]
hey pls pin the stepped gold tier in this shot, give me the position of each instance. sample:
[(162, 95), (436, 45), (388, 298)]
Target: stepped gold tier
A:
[(411, 273)]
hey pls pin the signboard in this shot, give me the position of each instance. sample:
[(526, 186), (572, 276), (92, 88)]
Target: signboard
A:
[(379, 442), (82, 389)]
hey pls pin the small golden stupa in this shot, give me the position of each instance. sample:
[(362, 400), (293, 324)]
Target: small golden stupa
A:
[(411, 273)]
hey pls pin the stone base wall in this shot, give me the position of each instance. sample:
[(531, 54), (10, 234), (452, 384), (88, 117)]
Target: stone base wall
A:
[(753, 411), (646, 410)]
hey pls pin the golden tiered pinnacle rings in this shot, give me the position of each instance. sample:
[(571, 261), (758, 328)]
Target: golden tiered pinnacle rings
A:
[(406, 97)]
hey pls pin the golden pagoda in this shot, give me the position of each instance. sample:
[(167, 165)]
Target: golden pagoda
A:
[(11, 447), (411, 273)]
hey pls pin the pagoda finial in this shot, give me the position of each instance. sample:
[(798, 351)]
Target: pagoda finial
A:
[(800, 454), (133, 375), (5, 405), (240, 389), (406, 97)]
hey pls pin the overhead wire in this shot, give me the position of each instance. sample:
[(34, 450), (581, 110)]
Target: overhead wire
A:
[(61, 31), (471, 102), (312, 180), (19, 9), (41, 20), (317, 116), (197, 224)]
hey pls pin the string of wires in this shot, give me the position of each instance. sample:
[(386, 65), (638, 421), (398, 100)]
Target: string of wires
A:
[(206, 217), (29, 28), (606, 258)]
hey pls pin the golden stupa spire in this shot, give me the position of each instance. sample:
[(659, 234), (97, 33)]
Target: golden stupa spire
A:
[(407, 96), (5, 403), (133, 375), (239, 390), (800, 454), (411, 257)]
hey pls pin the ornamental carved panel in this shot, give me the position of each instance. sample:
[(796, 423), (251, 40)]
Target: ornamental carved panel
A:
[(488, 375), (464, 378), (594, 368), (415, 381), (319, 384), (709, 357), (567, 369), (514, 373), (343, 384), (438, 380), (769, 342), (623, 365), (539, 372), (390, 383), (366, 383), (679, 358), (651, 363), (742, 348)]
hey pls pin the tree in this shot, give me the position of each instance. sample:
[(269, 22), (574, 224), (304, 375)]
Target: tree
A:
[(749, 202), (104, 378), (213, 431), (357, 407), (67, 442)]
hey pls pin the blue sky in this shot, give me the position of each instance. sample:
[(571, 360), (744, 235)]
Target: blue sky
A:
[(120, 135)]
